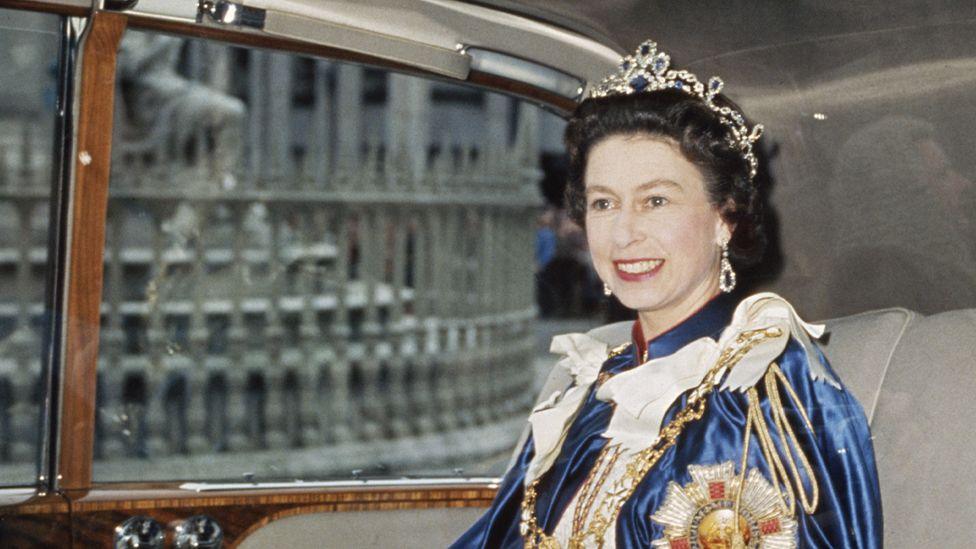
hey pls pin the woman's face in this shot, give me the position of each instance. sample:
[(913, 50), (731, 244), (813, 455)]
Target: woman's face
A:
[(654, 235)]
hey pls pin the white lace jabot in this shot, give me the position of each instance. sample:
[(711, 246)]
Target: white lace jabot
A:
[(645, 393)]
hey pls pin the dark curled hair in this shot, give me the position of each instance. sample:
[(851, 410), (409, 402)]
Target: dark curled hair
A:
[(701, 137)]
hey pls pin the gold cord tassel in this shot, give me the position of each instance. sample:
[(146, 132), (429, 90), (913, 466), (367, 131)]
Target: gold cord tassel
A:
[(592, 533), (775, 457), (775, 374)]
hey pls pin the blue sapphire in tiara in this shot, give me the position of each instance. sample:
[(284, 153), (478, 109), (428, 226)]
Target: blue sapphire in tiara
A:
[(649, 69), (638, 83), (660, 64)]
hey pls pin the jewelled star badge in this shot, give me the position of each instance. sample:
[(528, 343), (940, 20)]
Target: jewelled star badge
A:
[(703, 514)]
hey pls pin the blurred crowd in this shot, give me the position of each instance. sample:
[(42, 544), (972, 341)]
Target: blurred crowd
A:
[(566, 284)]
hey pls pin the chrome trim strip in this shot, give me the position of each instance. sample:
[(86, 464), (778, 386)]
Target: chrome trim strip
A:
[(58, 226), (67, 3), (491, 482), (429, 35), (441, 61), (522, 70), (15, 496), (231, 13), (235, 15), (184, 11)]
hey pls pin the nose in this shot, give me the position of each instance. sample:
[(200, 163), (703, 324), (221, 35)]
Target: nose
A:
[(627, 229)]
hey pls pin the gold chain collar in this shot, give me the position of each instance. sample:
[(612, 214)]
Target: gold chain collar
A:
[(606, 513)]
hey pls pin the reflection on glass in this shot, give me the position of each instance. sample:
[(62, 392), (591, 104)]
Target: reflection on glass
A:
[(312, 269), (871, 163), (28, 65), (903, 220)]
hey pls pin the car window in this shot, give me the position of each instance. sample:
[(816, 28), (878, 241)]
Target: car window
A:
[(872, 179), (313, 269), (28, 92)]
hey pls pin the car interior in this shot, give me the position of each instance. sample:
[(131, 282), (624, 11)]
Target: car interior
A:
[(268, 268)]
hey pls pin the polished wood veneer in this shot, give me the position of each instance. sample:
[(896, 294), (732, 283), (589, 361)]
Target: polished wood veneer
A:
[(44, 7), (41, 521), (89, 202), (239, 513), (83, 514)]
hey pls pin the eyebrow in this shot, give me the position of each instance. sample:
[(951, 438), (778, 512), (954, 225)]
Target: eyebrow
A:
[(642, 187)]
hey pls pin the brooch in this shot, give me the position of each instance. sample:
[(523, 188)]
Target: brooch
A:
[(720, 509)]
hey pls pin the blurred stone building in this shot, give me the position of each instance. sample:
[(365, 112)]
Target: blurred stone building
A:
[(310, 267)]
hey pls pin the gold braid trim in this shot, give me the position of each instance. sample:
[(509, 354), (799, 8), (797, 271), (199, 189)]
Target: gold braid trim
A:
[(621, 490), (618, 350), (777, 470), (774, 380), (792, 480)]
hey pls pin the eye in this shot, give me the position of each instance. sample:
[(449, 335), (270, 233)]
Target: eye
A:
[(656, 201), (600, 204)]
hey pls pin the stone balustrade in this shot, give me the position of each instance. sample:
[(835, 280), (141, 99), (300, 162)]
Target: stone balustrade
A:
[(329, 301)]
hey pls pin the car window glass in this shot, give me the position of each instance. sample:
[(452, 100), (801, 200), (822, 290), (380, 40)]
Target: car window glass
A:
[(313, 269), (28, 92), (873, 183)]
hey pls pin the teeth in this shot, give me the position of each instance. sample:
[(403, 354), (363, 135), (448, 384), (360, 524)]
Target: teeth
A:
[(639, 266)]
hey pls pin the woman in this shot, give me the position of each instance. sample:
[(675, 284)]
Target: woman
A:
[(721, 424)]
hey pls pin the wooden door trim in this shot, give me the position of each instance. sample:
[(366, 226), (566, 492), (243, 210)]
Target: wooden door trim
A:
[(103, 498), (44, 503), (30, 5), (86, 247), (40, 521), (97, 512)]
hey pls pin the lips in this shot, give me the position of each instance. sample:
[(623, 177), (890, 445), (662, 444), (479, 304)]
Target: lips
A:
[(634, 270)]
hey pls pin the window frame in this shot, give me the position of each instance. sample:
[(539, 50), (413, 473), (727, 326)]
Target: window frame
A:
[(75, 288)]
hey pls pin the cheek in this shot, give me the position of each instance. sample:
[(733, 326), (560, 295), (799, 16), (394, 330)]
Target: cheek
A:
[(598, 242), (692, 238)]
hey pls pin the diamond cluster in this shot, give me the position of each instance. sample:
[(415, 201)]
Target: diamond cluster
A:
[(649, 70)]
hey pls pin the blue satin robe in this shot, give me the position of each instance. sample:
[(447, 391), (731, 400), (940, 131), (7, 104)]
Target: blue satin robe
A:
[(849, 511)]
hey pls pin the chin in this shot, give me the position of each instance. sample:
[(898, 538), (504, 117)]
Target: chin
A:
[(640, 301)]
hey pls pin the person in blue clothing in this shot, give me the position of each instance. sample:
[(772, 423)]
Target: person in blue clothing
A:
[(713, 421), (545, 251)]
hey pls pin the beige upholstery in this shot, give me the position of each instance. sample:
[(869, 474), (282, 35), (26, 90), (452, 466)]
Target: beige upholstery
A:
[(401, 529), (915, 377), (860, 348)]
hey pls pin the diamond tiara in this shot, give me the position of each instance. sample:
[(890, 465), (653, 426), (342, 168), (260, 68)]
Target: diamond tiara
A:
[(649, 70)]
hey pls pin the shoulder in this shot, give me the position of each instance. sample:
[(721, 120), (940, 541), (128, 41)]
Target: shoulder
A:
[(615, 335), (618, 350)]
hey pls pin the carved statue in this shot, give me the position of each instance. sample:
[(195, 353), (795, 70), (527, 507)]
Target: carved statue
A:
[(160, 109)]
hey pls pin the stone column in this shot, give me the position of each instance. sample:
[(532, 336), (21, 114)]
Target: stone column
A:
[(497, 130), (441, 409), (349, 116), (451, 384), (400, 343), (257, 139), (280, 82), (339, 413), (407, 125), (24, 346), (318, 164), (422, 401), (371, 229), (237, 337), (199, 339)]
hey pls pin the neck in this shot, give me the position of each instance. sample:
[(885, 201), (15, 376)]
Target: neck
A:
[(657, 321)]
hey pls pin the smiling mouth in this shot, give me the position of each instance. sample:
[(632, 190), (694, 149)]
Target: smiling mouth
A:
[(639, 269)]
